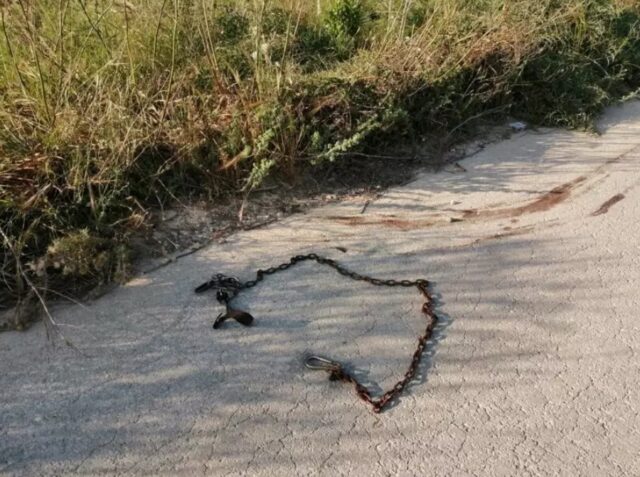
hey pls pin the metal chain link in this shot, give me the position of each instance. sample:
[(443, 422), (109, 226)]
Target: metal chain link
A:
[(227, 288)]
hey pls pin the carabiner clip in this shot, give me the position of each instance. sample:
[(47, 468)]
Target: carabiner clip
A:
[(318, 363)]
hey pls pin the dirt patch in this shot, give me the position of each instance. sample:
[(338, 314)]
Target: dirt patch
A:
[(604, 208), (188, 227)]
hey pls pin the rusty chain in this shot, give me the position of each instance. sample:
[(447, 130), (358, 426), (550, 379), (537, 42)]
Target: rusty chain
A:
[(227, 288)]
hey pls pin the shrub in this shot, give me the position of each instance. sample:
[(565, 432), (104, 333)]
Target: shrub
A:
[(231, 25), (82, 255), (344, 23)]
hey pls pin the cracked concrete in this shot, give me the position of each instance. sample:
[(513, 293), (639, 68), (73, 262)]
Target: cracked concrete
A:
[(534, 369)]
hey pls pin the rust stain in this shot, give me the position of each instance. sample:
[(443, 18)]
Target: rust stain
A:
[(543, 203), (390, 221), (604, 208)]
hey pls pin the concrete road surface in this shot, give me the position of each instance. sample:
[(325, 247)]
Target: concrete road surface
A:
[(533, 247)]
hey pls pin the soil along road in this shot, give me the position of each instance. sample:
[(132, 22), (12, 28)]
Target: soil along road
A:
[(533, 250)]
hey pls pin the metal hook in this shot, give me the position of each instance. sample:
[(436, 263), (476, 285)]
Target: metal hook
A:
[(220, 281), (319, 363)]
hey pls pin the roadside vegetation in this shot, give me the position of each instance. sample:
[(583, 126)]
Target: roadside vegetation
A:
[(110, 108)]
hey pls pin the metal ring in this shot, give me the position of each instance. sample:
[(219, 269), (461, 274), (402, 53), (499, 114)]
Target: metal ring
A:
[(319, 363)]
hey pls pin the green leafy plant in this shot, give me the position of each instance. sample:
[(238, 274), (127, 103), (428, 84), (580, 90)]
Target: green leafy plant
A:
[(231, 25), (345, 23), (347, 18)]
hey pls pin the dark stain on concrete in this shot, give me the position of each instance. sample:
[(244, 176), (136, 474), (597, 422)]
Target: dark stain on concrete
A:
[(511, 232), (390, 221), (543, 203), (604, 208)]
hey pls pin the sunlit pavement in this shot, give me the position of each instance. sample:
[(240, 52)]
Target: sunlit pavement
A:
[(533, 250)]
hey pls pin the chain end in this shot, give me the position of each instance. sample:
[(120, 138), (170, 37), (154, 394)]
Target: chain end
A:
[(205, 286), (318, 363), (220, 282)]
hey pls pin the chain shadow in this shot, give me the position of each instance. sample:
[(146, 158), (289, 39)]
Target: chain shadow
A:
[(425, 363), (427, 360)]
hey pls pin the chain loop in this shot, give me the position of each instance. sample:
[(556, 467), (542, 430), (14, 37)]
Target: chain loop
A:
[(227, 288)]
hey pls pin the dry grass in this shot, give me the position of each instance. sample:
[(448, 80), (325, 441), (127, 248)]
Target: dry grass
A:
[(109, 108)]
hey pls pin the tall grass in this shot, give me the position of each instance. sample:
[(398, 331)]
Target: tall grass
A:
[(109, 107)]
